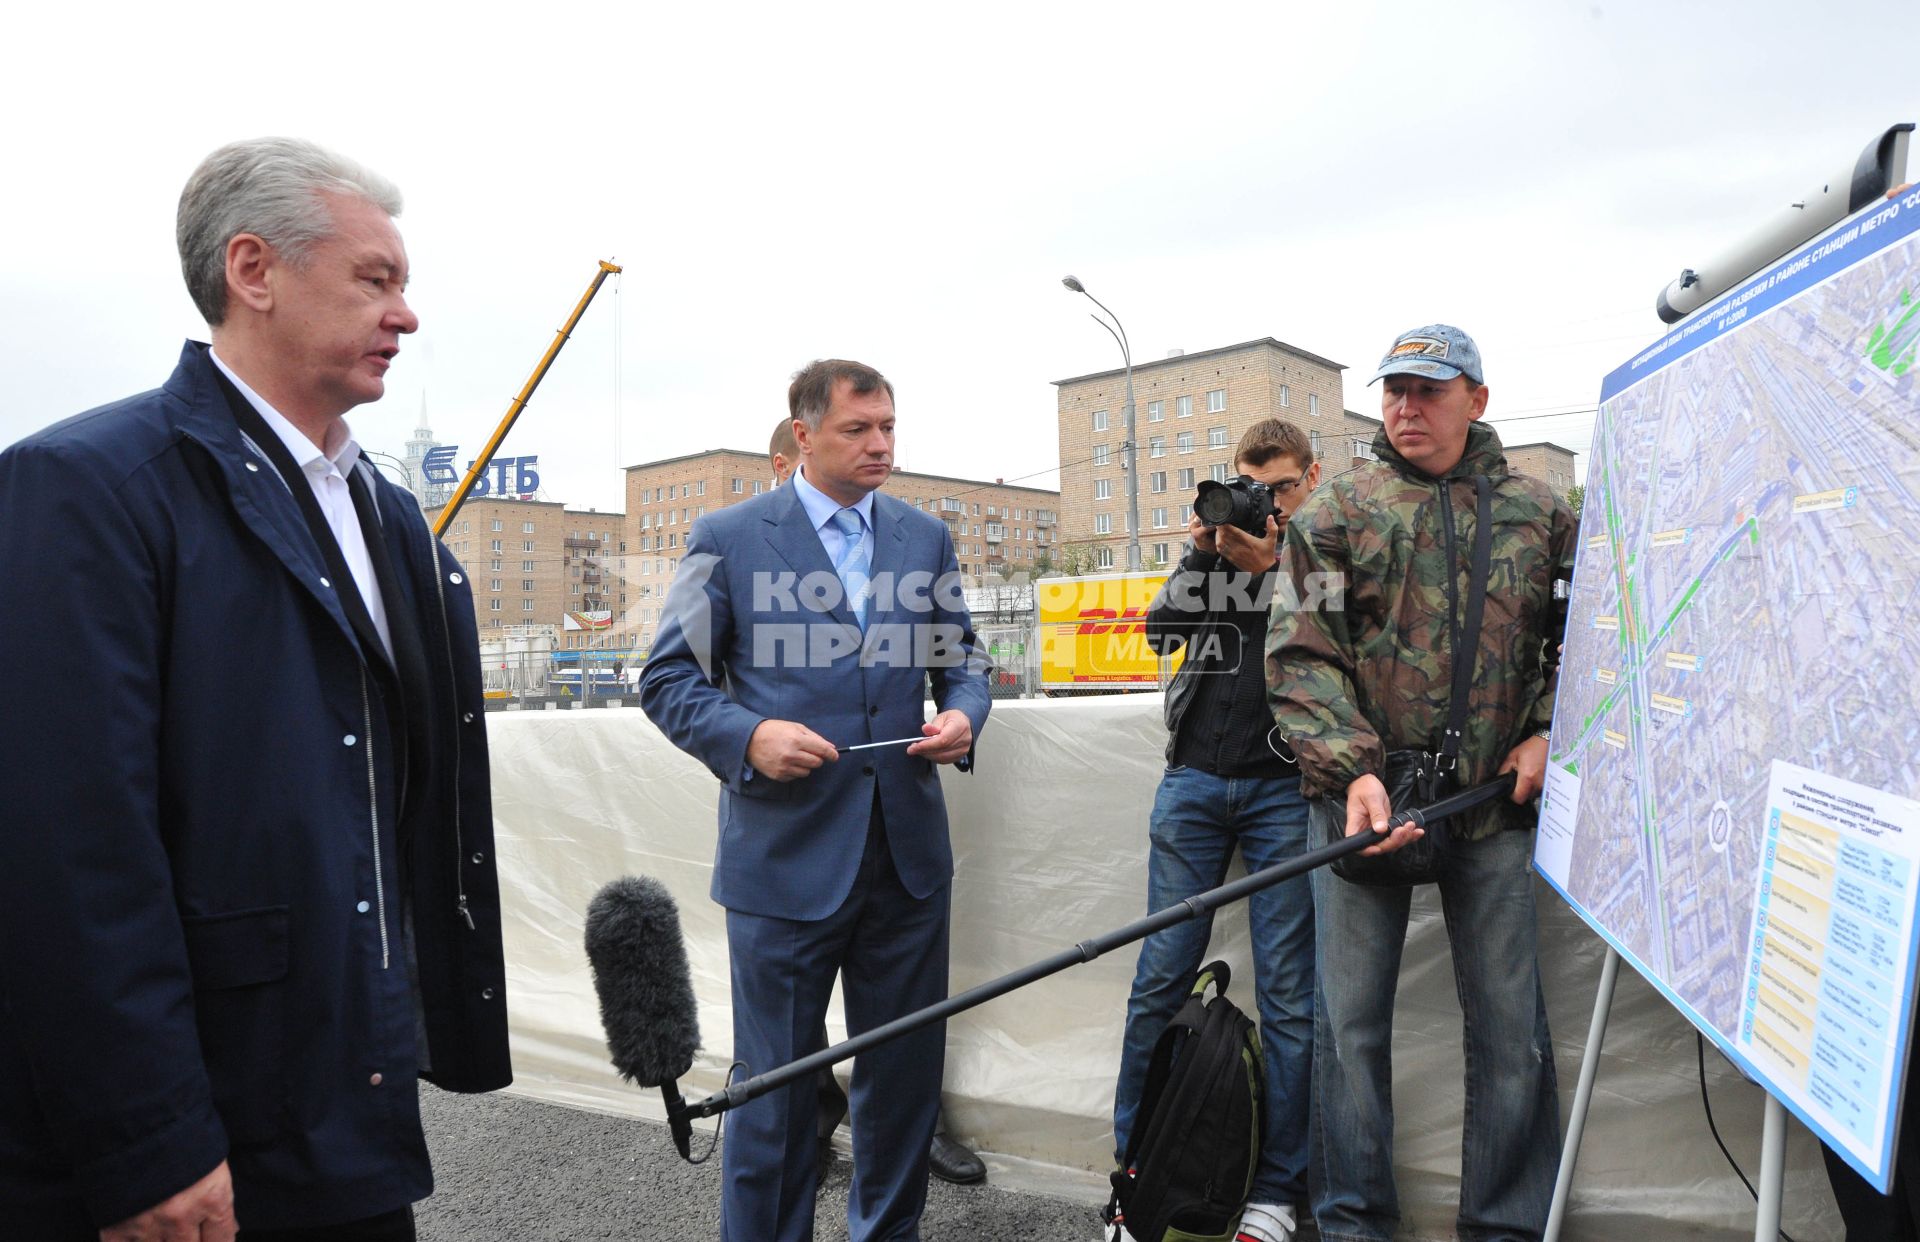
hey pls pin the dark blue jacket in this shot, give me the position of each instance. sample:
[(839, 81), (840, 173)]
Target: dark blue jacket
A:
[(203, 903)]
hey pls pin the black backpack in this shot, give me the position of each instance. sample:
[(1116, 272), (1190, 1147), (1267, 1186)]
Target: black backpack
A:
[(1196, 1139)]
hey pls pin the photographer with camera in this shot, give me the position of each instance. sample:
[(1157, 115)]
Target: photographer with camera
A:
[(1231, 783)]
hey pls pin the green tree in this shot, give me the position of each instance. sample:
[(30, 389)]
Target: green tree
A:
[(1576, 497)]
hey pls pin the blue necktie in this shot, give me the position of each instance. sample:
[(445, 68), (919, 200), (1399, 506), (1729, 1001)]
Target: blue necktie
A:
[(852, 563)]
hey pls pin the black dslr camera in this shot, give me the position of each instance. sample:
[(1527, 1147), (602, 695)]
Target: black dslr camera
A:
[(1240, 501)]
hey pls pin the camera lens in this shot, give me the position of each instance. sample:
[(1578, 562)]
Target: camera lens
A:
[(1214, 504)]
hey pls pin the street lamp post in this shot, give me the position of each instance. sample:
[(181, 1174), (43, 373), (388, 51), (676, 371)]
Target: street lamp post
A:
[(1132, 467)]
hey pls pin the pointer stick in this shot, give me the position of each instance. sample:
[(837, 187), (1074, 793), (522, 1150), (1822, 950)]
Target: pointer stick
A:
[(898, 741)]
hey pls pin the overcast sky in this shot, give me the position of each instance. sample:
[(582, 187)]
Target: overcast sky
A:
[(906, 184)]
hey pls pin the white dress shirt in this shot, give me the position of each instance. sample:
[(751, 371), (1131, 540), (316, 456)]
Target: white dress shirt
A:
[(327, 469)]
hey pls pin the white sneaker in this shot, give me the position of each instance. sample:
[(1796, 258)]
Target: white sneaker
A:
[(1118, 1226), (1266, 1222)]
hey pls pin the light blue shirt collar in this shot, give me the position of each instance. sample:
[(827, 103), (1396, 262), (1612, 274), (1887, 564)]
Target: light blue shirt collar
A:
[(821, 507)]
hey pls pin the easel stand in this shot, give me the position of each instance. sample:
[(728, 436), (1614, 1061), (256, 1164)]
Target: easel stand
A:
[(1773, 1134)]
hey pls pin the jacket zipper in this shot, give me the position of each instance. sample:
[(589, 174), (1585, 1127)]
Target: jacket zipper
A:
[(373, 809), (366, 734), (1444, 488), (453, 675)]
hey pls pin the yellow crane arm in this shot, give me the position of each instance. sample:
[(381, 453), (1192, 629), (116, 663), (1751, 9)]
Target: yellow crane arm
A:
[(481, 462)]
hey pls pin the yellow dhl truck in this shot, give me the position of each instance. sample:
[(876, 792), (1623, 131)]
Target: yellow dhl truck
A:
[(1093, 634)]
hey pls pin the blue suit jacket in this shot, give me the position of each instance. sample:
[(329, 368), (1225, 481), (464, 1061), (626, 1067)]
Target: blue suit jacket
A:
[(753, 629)]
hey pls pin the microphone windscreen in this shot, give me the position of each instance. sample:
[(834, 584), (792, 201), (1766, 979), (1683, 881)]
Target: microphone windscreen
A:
[(640, 972)]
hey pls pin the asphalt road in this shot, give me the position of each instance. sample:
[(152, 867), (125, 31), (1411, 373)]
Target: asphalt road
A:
[(510, 1169)]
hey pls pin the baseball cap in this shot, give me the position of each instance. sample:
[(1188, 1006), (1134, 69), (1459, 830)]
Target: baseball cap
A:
[(1438, 351)]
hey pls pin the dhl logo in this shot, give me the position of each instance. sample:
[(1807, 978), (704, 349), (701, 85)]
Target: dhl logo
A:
[(1090, 621)]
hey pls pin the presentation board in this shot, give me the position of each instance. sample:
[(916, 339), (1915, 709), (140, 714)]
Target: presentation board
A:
[(1735, 760)]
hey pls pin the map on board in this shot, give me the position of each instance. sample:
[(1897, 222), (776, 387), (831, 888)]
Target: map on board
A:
[(1735, 759)]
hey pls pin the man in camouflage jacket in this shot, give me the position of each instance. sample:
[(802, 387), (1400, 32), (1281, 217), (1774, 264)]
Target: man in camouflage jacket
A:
[(1353, 680)]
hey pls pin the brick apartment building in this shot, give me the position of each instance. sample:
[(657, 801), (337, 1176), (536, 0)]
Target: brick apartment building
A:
[(998, 529), (534, 562), (1543, 459), (1190, 411)]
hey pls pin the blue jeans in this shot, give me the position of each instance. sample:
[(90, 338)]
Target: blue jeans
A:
[(1510, 1142), (1198, 819)]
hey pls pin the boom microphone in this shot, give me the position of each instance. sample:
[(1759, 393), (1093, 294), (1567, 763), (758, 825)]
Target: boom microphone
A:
[(640, 972)]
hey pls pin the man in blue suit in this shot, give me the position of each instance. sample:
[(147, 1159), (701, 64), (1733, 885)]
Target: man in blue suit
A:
[(803, 623)]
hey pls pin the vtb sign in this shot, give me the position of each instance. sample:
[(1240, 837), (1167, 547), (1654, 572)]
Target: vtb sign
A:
[(504, 476)]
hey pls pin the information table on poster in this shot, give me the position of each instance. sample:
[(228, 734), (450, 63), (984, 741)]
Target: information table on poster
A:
[(1735, 756), (1829, 954)]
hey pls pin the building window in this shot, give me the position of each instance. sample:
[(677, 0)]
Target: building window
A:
[(1103, 523), (1183, 407), (1217, 472), (1286, 396), (1184, 442), (526, 528), (494, 565), (1313, 442), (527, 546), (1103, 489), (1106, 558), (493, 605), (700, 488), (1159, 519), (1099, 420), (1217, 401), (1156, 411), (757, 486), (1157, 481), (1186, 479), (495, 585), (1216, 437), (526, 584), (1099, 455), (526, 567), (496, 524), (1160, 553), (526, 605), (1186, 514), (1157, 446), (1313, 405), (496, 545)]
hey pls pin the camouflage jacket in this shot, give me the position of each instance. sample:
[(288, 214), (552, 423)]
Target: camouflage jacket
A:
[(1347, 684)]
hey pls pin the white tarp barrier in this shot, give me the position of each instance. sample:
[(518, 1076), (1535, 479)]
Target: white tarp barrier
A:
[(1050, 843)]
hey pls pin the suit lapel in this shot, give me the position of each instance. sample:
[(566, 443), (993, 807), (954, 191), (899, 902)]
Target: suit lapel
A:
[(790, 532), (889, 554)]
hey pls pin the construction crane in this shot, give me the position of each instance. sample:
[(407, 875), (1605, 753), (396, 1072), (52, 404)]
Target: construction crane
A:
[(480, 463)]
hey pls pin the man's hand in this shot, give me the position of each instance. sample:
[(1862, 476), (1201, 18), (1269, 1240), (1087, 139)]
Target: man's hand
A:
[(203, 1212), (1244, 552), (949, 737), (1368, 810), (786, 750), (1200, 535), (1529, 759)]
